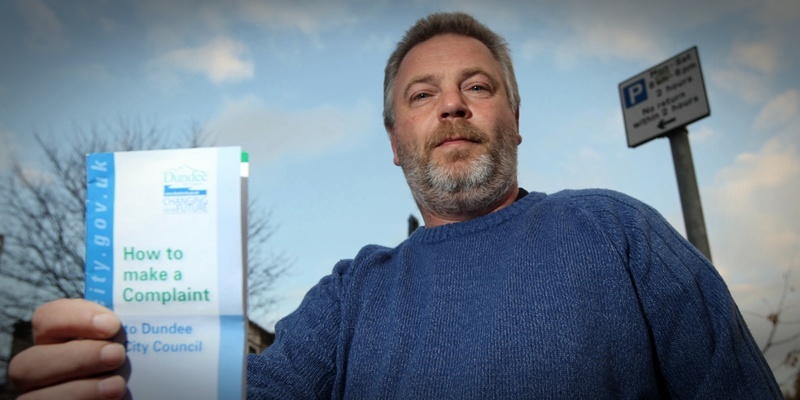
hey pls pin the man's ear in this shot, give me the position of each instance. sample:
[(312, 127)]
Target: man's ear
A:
[(390, 131), (519, 137)]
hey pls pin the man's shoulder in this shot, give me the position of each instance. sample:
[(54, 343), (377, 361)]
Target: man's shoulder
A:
[(592, 195), (597, 200), (371, 254), (608, 208)]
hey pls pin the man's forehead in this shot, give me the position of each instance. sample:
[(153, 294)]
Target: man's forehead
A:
[(449, 50), (445, 40)]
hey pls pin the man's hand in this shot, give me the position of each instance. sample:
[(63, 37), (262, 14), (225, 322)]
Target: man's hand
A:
[(73, 356)]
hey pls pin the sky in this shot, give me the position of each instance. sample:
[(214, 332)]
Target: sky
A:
[(298, 84)]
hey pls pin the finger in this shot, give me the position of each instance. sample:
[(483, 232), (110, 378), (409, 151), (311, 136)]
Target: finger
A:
[(106, 388), (66, 319), (51, 364)]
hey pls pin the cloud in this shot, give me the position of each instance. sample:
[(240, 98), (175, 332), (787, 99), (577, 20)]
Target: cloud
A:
[(748, 70), (107, 25), (46, 30), (93, 72), (646, 31), (703, 134), (759, 56), (749, 86), (755, 240), (600, 40), (221, 60), (778, 111), (624, 30), (590, 155), (174, 23), (753, 204), (383, 44), (310, 19), (779, 12), (176, 27), (269, 133), (752, 67)]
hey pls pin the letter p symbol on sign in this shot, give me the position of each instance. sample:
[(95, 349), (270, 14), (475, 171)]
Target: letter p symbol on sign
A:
[(635, 93)]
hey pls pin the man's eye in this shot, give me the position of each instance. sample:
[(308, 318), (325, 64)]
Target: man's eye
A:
[(420, 96), (477, 88)]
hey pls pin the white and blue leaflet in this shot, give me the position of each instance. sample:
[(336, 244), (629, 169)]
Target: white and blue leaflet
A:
[(165, 251)]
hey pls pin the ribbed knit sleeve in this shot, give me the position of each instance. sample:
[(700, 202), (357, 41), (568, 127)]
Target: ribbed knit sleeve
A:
[(702, 345), (300, 364)]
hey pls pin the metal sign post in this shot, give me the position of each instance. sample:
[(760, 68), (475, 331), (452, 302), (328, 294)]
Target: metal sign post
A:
[(687, 187), (661, 102)]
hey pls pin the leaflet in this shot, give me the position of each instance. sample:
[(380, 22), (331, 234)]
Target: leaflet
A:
[(165, 250)]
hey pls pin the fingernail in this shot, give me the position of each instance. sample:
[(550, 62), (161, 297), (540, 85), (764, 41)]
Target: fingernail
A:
[(112, 354), (106, 323), (112, 387)]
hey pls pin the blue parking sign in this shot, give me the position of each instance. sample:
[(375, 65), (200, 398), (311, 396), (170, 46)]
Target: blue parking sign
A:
[(635, 93)]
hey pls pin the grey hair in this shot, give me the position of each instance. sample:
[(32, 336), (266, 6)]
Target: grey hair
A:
[(437, 24)]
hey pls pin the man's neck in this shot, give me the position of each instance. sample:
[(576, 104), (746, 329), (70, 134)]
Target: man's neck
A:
[(432, 220)]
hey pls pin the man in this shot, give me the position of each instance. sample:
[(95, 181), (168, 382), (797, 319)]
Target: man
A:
[(503, 294)]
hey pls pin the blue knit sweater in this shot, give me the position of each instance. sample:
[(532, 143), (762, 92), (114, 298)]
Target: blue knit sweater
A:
[(580, 294)]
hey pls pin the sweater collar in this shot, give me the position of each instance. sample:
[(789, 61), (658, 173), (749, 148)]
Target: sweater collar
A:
[(524, 201)]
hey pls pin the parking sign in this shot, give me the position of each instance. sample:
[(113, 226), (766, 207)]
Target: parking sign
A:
[(668, 96)]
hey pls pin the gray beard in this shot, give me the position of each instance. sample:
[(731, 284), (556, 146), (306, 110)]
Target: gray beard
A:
[(470, 191)]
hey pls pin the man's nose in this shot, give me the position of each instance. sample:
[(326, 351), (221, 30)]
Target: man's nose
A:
[(453, 105)]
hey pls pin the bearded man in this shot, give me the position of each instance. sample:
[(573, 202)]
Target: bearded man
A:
[(503, 294)]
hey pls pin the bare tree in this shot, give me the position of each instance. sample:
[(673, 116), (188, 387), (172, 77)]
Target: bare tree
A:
[(265, 266), (42, 212), (778, 318), (784, 335)]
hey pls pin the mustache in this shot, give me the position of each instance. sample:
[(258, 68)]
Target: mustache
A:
[(455, 130)]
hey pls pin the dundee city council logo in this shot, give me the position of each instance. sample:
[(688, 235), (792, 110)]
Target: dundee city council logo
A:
[(185, 190)]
